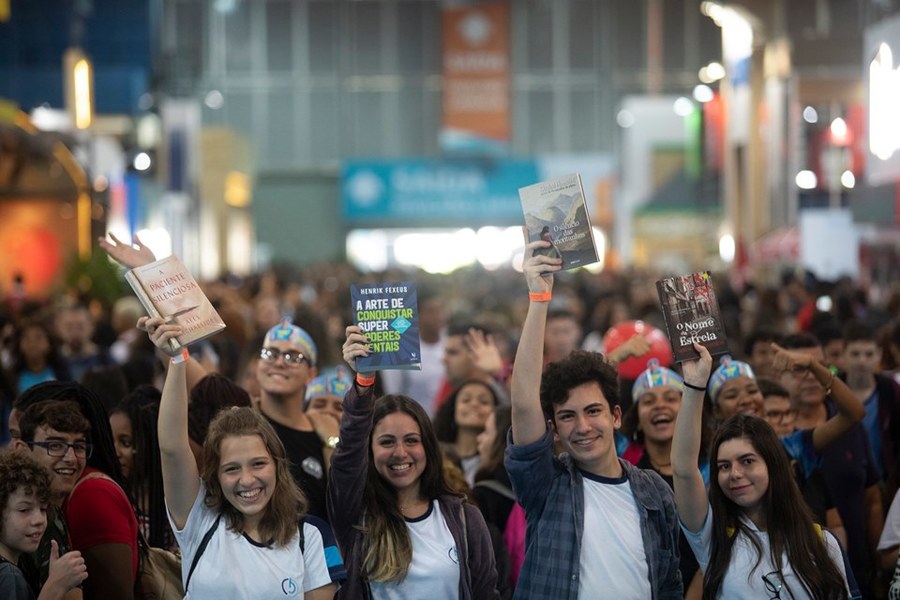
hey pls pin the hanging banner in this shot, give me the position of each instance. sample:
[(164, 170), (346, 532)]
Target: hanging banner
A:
[(476, 80)]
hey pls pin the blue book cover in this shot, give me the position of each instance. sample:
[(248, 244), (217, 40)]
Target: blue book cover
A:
[(387, 313)]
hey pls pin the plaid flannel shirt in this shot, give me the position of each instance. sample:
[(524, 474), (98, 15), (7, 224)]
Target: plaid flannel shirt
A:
[(551, 490)]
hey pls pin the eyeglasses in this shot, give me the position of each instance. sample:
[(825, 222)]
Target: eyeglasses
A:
[(59, 449), (780, 416), (774, 584), (291, 357)]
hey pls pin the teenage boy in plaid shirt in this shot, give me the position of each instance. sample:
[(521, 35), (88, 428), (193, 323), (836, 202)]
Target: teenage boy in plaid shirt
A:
[(631, 546)]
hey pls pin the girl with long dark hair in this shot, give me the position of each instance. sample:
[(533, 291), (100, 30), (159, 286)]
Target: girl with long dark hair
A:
[(459, 421), (404, 532), (752, 534), (133, 423)]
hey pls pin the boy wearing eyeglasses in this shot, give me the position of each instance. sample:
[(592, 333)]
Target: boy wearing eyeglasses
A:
[(55, 435), (286, 366)]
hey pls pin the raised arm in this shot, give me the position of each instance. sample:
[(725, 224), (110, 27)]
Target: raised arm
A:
[(350, 461), (690, 493), (181, 481), (528, 423), (850, 410)]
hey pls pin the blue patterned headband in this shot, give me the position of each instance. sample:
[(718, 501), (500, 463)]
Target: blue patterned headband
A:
[(333, 383), (655, 376), (288, 332), (729, 369)]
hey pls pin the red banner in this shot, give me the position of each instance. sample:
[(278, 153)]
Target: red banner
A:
[(476, 77)]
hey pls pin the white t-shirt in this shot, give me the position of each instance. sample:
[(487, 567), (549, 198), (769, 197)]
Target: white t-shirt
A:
[(234, 567), (741, 581), (434, 570), (613, 563), (470, 466), (890, 535)]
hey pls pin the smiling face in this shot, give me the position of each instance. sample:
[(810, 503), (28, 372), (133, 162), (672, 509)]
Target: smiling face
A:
[(657, 409), (739, 395), (398, 454), (247, 475), (24, 522), (742, 474), (123, 439), (474, 403), (64, 470), (277, 378), (585, 425)]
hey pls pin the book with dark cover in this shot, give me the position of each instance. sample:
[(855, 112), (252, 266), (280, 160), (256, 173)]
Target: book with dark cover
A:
[(691, 312), (166, 289), (555, 211), (388, 314)]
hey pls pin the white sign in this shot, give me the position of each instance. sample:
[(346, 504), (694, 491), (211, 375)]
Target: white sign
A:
[(829, 243), (882, 53)]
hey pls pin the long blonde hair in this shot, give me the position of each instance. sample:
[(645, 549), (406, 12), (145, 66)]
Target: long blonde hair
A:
[(388, 548)]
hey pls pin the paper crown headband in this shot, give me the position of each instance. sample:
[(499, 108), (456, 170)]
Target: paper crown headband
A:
[(288, 332), (655, 376), (729, 369), (335, 383)]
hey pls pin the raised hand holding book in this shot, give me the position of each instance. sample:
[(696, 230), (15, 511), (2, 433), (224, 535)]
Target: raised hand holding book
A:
[(691, 312), (555, 211), (388, 314), (166, 289)]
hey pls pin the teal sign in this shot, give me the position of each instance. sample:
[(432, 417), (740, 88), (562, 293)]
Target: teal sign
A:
[(435, 192)]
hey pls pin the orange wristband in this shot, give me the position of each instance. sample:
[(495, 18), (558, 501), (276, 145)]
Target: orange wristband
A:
[(540, 296), (180, 358), (365, 380)]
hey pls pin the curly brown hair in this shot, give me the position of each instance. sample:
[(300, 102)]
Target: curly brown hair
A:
[(18, 470), (287, 505), (578, 368)]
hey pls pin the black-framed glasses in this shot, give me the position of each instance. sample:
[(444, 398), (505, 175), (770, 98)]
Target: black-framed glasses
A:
[(774, 584), (58, 449), (780, 416), (291, 357)]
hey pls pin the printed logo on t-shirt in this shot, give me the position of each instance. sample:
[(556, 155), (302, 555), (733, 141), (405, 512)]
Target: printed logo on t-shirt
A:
[(453, 554), (289, 587), (313, 467)]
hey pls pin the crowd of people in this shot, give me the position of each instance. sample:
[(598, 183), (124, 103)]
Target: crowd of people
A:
[(521, 461)]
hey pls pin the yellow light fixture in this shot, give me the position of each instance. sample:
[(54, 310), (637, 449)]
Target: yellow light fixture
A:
[(79, 74), (237, 189)]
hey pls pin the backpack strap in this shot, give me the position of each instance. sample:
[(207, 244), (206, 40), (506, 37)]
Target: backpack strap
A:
[(302, 535), (200, 550), (208, 536)]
